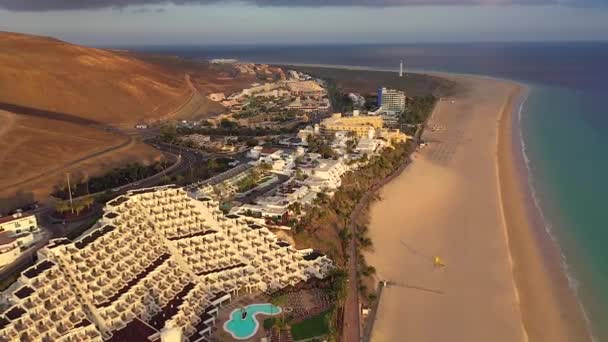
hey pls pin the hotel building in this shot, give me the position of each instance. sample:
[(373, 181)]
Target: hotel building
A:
[(391, 99), (360, 125), (158, 262)]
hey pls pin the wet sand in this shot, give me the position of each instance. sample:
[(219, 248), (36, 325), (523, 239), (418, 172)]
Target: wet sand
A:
[(448, 203)]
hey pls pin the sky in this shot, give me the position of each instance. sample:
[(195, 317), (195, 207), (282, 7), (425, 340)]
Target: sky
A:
[(212, 22)]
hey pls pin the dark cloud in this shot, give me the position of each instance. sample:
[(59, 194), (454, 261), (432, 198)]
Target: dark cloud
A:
[(52, 5)]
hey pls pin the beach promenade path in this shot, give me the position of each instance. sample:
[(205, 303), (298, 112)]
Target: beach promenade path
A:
[(446, 204), (352, 329)]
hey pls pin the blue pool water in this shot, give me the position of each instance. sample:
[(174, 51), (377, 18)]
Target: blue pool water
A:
[(241, 328)]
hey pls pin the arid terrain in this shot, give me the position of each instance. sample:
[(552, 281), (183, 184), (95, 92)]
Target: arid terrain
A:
[(68, 108)]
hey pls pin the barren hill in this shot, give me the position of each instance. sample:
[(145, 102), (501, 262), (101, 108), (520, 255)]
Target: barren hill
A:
[(64, 107), (49, 74)]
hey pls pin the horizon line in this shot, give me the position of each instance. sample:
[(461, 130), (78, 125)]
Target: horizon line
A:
[(302, 44)]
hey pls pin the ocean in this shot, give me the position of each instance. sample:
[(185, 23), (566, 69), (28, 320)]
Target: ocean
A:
[(564, 126)]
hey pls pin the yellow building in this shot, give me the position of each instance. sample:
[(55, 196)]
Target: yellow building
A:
[(360, 125), (393, 136)]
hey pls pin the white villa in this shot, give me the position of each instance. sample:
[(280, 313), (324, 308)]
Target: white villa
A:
[(327, 174), (17, 232), (157, 262), (275, 203)]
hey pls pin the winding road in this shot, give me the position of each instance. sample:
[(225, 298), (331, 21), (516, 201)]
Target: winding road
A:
[(9, 111)]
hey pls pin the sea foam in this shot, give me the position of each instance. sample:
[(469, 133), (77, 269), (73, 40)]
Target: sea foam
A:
[(573, 282)]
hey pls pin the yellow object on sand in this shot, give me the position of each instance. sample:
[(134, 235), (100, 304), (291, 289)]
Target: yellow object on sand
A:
[(437, 262)]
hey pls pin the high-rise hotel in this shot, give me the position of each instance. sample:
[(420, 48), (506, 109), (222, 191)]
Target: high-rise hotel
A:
[(391, 99)]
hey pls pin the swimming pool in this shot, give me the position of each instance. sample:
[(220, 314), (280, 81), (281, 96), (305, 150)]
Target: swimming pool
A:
[(243, 328)]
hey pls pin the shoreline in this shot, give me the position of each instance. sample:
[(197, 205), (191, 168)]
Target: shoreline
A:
[(541, 254), (515, 185), (546, 310)]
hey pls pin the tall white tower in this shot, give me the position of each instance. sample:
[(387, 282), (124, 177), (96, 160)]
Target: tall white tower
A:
[(401, 69)]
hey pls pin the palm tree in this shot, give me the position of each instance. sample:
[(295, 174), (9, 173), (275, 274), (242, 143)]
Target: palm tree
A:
[(212, 164), (278, 301), (78, 207), (88, 201), (62, 207), (265, 167), (321, 198), (277, 328), (295, 207), (280, 324), (255, 174)]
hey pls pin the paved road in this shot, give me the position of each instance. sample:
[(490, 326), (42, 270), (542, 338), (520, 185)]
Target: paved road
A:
[(24, 260), (352, 325), (352, 320), (184, 161), (51, 230)]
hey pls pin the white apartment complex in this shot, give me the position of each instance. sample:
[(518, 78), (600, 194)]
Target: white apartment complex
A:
[(275, 204), (310, 104), (306, 93), (17, 232), (327, 174), (157, 261)]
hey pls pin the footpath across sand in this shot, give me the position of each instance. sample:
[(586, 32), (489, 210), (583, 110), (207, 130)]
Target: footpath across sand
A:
[(7, 120)]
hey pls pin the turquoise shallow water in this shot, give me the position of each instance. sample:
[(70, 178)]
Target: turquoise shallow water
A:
[(564, 126), (243, 328), (566, 143)]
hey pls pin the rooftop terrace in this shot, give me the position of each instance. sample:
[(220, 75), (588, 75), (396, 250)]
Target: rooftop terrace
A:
[(207, 232), (158, 321), (136, 279), (35, 270), (227, 268), (3, 322), (135, 331), (24, 292), (94, 236), (15, 313), (58, 242), (314, 255), (118, 201)]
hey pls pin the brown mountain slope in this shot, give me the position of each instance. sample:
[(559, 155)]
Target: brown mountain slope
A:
[(66, 108), (104, 86)]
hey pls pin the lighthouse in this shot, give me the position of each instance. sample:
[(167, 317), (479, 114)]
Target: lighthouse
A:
[(401, 69)]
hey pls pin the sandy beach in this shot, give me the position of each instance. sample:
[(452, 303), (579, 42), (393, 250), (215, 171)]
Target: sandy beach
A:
[(497, 284)]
